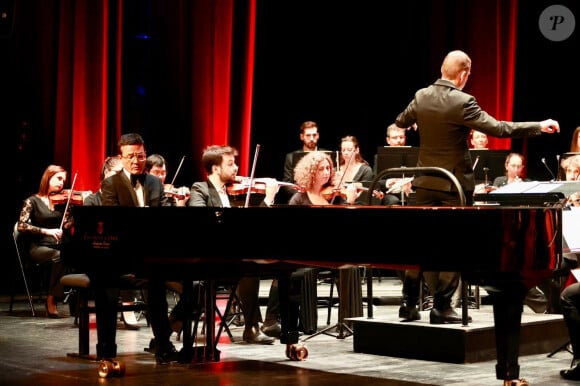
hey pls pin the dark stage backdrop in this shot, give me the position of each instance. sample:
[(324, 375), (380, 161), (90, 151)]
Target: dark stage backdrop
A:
[(189, 73)]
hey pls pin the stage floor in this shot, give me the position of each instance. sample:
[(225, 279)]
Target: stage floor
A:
[(33, 352)]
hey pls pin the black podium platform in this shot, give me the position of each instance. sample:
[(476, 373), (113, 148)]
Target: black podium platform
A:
[(453, 343)]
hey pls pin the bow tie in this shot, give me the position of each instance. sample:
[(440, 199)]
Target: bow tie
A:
[(137, 177)]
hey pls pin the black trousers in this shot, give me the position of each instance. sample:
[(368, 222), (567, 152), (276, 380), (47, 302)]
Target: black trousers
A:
[(107, 292)]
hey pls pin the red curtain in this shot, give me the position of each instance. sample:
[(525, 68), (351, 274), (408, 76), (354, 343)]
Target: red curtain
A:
[(82, 84), (486, 31), (492, 34), (88, 116)]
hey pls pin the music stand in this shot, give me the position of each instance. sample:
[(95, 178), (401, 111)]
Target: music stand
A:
[(491, 162), (349, 302)]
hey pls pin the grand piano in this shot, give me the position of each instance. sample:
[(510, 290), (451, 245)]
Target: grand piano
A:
[(484, 242)]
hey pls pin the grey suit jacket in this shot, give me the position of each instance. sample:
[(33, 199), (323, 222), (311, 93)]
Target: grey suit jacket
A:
[(117, 190), (444, 116), (203, 193)]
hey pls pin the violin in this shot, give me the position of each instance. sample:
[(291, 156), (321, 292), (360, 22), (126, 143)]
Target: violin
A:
[(242, 186), (181, 193), (331, 191), (76, 196)]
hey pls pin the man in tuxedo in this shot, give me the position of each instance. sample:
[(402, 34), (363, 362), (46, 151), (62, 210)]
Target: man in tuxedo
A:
[(132, 187)]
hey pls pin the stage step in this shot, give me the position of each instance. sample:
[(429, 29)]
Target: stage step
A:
[(453, 343)]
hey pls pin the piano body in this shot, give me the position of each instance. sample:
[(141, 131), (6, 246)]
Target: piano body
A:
[(520, 243)]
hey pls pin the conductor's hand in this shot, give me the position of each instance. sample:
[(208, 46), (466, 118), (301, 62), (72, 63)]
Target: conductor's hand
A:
[(550, 126)]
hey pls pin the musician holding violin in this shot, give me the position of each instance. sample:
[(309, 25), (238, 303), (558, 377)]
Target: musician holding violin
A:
[(45, 219), (219, 163), (314, 173), (156, 165), (352, 167)]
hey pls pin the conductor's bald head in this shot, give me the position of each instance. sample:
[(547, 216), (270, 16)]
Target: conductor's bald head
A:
[(456, 68)]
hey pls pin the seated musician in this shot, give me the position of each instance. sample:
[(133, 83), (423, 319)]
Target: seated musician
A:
[(219, 163), (314, 173), (514, 167), (157, 166), (41, 218), (394, 187)]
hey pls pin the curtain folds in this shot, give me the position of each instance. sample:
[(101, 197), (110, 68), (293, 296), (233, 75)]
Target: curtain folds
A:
[(90, 71)]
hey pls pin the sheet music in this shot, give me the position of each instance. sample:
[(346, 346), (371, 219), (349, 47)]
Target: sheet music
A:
[(517, 187), (570, 229)]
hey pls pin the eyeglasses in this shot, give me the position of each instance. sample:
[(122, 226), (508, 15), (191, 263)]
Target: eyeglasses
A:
[(137, 156)]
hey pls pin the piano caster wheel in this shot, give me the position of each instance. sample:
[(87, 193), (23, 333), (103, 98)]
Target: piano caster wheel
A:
[(109, 369), (296, 352)]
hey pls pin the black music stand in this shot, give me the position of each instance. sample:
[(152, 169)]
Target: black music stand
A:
[(350, 303), (566, 346)]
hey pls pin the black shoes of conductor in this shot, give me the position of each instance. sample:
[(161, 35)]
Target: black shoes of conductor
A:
[(446, 316), (573, 373), (408, 313)]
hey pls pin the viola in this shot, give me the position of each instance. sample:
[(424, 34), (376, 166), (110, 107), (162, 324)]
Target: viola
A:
[(76, 196)]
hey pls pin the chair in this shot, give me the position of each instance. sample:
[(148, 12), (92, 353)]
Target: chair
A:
[(28, 270), (81, 283)]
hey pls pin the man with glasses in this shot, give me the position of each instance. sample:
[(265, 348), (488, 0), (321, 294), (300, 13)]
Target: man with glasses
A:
[(133, 187)]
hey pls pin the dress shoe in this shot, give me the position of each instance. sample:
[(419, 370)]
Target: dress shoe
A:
[(166, 354), (409, 313), (573, 373), (253, 335), (272, 329), (51, 310), (446, 316)]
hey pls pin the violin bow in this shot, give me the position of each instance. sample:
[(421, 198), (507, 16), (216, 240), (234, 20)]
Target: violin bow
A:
[(247, 203), (178, 169), (72, 186), (341, 178)]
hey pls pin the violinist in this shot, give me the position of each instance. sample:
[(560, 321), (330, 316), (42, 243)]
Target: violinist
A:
[(156, 165), (315, 173), (47, 223), (352, 167), (219, 163)]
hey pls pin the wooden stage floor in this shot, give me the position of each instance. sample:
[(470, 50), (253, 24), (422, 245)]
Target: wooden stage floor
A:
[(33, 351)]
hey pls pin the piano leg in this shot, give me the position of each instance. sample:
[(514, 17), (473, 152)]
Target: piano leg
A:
[(507, 298)]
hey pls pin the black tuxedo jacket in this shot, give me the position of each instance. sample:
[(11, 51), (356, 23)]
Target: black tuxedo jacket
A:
[(117, 190)]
